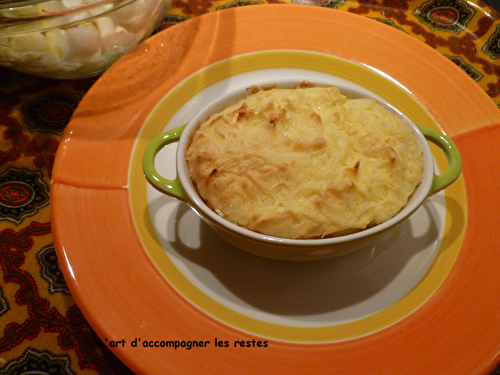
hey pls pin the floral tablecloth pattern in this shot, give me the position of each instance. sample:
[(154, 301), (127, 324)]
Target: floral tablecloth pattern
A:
[(42, 329)]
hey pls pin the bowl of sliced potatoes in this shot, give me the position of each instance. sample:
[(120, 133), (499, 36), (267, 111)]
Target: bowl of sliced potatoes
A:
[(70, 39)]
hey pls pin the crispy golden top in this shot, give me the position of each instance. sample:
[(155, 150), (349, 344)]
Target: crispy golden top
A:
[(305, 163)]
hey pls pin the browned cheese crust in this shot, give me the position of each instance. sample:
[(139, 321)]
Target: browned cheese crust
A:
[(305, 162)]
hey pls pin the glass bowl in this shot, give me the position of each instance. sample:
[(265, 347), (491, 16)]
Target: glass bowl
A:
[(68, 39)]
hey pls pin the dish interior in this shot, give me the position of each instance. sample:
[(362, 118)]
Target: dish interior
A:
[(348, 89)]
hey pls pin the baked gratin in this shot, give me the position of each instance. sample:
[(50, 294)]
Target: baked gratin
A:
[(305, 162)]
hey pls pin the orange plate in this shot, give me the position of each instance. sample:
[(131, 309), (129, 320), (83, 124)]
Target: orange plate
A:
[(125, 294)]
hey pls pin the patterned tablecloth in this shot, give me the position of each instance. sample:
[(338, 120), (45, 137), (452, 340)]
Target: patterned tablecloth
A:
[(42, 329)]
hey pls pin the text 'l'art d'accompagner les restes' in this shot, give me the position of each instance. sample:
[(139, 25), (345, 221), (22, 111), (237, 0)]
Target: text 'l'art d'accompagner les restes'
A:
[(185, 344)]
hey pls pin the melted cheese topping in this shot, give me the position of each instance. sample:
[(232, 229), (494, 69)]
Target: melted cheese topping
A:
[(305, 163)]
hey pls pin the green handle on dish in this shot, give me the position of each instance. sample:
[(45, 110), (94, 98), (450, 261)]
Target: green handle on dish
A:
[(170, 187), (449, 148)]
